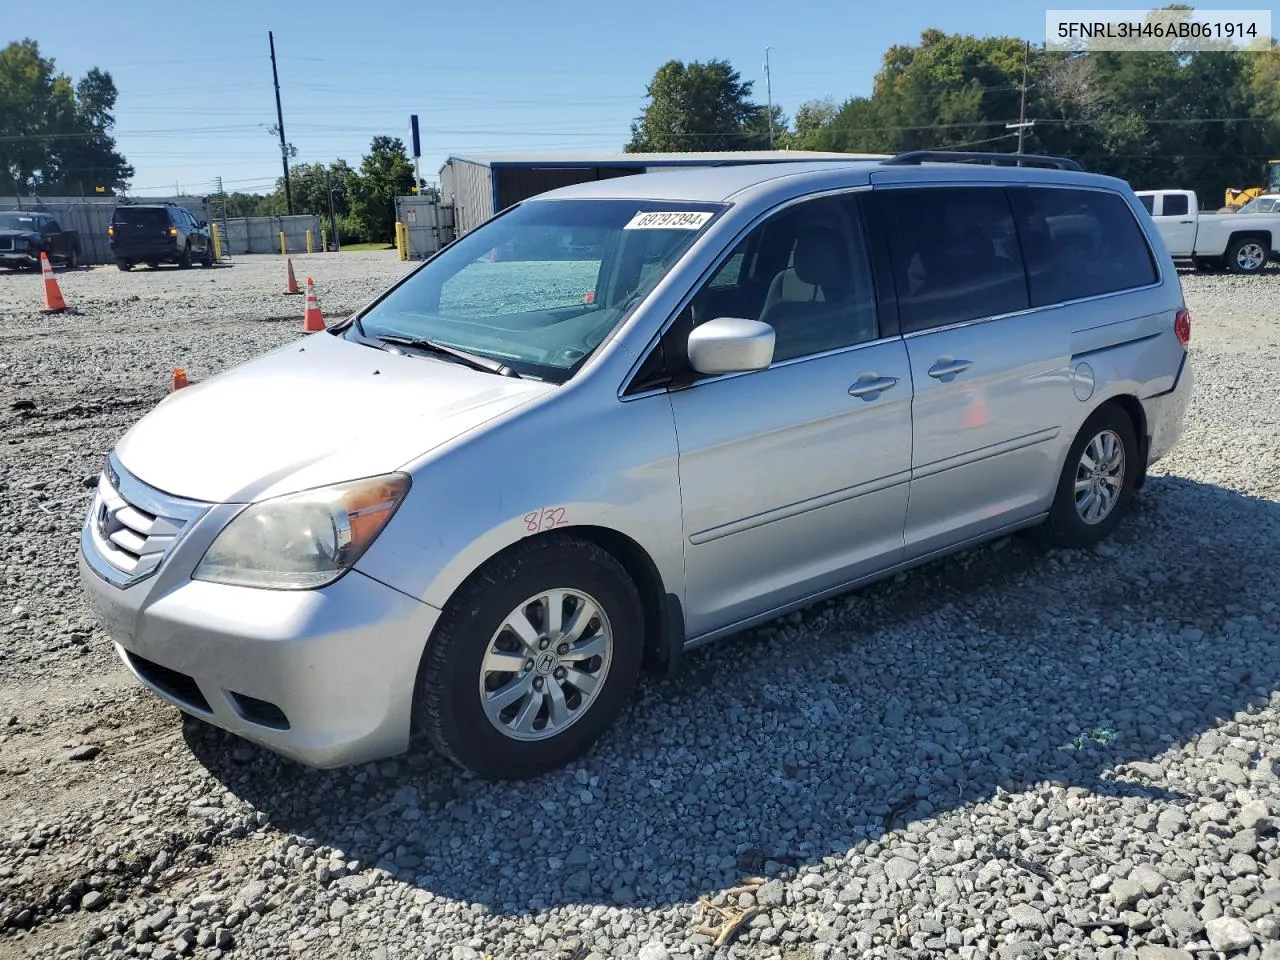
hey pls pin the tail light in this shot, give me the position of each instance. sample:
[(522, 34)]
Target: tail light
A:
[(173, 231), (111, 230), (1182, 326)]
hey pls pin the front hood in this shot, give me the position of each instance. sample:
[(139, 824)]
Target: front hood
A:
[(315, 412)]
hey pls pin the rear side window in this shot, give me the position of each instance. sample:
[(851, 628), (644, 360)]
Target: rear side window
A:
[(1175, 205), (1149, 202), (1079, 243), (955, 255)]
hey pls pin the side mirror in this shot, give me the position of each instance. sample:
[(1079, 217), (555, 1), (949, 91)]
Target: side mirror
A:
[(204, 223), (731, 345)]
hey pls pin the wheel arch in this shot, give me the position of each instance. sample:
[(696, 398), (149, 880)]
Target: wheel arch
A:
[(1132, 407), (663, 610)]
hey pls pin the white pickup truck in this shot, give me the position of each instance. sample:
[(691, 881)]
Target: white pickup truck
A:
[(1242, 244)]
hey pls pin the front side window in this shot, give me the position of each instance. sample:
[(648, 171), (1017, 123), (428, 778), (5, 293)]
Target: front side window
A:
[(955, 254), (1079, 243), (805, 272), (1148, 201), (540, 287)]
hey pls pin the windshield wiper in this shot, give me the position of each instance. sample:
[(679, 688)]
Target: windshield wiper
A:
[(476, 362)]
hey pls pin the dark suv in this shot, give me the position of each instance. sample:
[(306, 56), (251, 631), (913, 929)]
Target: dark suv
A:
[(158, 233)]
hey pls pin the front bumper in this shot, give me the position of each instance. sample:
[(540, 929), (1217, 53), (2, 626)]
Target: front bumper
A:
[(16, 258), (325, 677)]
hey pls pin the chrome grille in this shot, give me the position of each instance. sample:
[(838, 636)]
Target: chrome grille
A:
[(133, 526)]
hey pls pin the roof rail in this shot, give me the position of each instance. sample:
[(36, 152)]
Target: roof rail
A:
[(913, 157)]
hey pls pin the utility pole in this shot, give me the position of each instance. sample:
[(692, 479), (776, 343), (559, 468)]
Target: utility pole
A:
[(284, 147), (768, 86), (1023, 124)]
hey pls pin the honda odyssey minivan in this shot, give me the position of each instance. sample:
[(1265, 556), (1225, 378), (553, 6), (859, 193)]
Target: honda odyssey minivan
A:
[(676, 405)]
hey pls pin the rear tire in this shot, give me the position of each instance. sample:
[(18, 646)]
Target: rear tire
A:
[(124, 265), (184, 261), (1097, 482), (73, 260), (592, 664), (208, 257), (1247, 256)]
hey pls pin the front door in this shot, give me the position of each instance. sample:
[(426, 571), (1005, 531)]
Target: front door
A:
[(992, 377), (1176, 222), (794, 479)]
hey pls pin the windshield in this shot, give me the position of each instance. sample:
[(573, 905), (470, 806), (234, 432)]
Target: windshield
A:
[(17, 221), (1260, 205), (541, 286)]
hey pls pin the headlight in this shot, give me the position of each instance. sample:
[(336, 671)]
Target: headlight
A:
[(302, 540)]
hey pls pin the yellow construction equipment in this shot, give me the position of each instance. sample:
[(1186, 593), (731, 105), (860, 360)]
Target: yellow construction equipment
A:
[(1237, 198)]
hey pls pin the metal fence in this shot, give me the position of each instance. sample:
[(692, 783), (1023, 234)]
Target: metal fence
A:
[(262, 234), (89, 216)]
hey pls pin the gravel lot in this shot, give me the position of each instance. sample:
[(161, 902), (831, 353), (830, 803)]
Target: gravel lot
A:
[(1012, 753)]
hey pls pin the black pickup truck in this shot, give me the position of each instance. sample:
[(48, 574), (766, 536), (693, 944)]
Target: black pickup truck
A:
[(25, 235)]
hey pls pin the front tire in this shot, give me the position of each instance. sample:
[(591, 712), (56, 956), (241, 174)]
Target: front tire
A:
[(1097, 482), (532, 660), (125, 265)]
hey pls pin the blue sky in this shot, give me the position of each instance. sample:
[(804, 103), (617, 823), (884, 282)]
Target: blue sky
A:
[(502, 76)]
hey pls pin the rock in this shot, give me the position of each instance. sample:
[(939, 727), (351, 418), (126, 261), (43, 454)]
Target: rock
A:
[(653, 951), (1151, 881), (900, 870), (1125, 892), (1254, 815), (93, 900), (87, 752), (1163, 953), (1228, 933), (770, 894), (251, 893), (1027, 917), (338, 909), (1184, 925)]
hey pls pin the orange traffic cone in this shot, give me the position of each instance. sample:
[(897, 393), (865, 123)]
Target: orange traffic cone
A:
[(293, 281), (179, 379), (312, 319), (53, 301)]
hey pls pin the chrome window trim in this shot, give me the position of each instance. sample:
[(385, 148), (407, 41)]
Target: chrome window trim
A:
[(1003, 184)]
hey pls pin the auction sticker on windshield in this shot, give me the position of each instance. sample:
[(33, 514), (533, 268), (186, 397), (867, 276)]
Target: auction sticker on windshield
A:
[(668, 220)]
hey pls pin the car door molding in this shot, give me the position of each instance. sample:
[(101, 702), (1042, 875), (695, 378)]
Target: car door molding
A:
[(801, 506), (983, 453)]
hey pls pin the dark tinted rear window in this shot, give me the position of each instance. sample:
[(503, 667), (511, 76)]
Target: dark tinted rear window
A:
[(145, 216), (955, 255), (1079, 243), (1149, 202)]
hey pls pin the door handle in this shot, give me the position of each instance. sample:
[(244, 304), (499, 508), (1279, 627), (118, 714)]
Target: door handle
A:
[(869, 386), (946, 367), (1186, 221)]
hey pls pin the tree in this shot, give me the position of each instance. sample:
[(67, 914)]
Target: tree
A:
[(385, 173), (53, 132), (810, 118), (699, 106)]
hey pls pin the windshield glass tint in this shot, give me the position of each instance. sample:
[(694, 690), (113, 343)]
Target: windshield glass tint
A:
[(542, 286), (16, 221)]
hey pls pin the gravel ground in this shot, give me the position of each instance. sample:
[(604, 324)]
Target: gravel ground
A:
[(1016, 752)]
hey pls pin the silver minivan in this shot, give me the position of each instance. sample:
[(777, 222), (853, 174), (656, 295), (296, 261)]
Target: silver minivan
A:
[(624, 418)]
